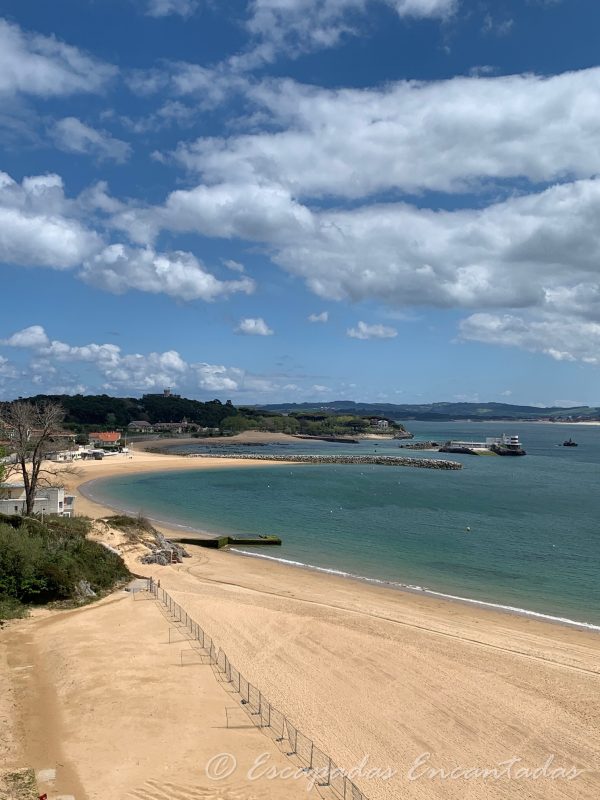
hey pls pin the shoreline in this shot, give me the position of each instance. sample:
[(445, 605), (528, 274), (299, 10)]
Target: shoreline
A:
[(289, 564), (406, 588)]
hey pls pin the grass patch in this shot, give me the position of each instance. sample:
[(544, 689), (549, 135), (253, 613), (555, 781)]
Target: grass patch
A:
[(11, 608), (126, 523)]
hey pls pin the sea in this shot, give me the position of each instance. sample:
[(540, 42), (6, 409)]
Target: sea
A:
[(517, 533)]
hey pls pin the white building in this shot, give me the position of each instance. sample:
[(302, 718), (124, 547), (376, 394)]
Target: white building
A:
[(49, 500)]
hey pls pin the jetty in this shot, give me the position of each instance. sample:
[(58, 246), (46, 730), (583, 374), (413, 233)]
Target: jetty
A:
[(218, 542), (385, 461)]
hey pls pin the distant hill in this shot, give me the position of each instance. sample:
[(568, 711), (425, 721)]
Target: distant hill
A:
[(443, 412)]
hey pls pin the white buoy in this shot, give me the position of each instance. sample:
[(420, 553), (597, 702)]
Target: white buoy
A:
[(468, 529)]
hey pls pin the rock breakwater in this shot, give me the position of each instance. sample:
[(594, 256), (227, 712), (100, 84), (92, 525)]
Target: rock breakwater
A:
[(386, 461)]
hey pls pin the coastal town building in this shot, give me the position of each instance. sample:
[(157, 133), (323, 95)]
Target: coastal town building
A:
[(379, 424), (103, 438), (48, 500), (140, 426)]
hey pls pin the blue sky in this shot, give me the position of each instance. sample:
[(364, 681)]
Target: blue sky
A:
[(270, 200)]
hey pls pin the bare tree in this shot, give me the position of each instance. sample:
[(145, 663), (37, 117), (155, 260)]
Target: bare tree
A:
[(32, 432)]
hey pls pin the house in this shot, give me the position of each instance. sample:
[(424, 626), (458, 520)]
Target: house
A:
[(48, 500), (379, 424), (140, 426), (103, 438)]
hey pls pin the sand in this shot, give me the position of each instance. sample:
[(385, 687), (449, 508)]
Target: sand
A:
[(245, 438), (407, 681)]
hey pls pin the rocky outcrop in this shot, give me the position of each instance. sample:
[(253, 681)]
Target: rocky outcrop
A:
[(164, 552)]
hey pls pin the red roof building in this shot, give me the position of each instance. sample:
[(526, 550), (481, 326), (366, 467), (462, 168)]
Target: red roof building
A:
[(105, 437)]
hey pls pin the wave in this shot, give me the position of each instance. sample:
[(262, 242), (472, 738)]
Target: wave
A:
[(407, 587)]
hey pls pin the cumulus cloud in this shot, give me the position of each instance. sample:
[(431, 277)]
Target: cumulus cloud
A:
[(117, 369), (254, 327), (554, 335), (34, 336), (118, 268), (531, 251), (446, 136), (527, 251), (42, 65), (110, 369), (365, 331), (73, 136), (247, 211), (322, 317), (38, 226)]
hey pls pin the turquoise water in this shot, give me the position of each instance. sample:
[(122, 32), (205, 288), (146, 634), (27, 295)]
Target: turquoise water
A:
[(534, 540)]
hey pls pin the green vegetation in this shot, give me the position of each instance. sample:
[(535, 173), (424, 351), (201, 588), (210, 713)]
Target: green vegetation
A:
[(92, 412), (83, 413), (52, 561), (308, 423)]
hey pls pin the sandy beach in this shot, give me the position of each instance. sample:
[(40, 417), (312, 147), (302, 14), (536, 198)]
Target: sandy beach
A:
[(407, 682)]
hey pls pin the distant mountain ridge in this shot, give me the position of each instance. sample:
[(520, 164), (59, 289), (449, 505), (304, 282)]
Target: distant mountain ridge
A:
[(444, 412)]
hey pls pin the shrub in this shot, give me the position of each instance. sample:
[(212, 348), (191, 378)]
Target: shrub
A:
[(40, 563)]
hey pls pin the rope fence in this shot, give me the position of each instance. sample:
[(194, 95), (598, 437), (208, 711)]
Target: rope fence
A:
[(261, 712)]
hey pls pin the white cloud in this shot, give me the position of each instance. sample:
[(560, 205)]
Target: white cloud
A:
[(538, 250), (254, 327), (118, 268), (296, 26), (73, 136), (7, 370), (234, 266), (38, 225), (561, 338), (113, 370), (247, 211), (217, 378), (365, 331), (446, 136), (164, 8), (42, 65), (322, 317), (34, 337)]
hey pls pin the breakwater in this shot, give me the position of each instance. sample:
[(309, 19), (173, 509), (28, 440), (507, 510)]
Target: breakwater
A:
[(385, 461)]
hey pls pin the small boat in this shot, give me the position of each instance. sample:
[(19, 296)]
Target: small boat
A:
[(569, 443)]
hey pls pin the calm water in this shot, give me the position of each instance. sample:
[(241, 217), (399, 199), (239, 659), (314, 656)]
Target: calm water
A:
[(534, 539)]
